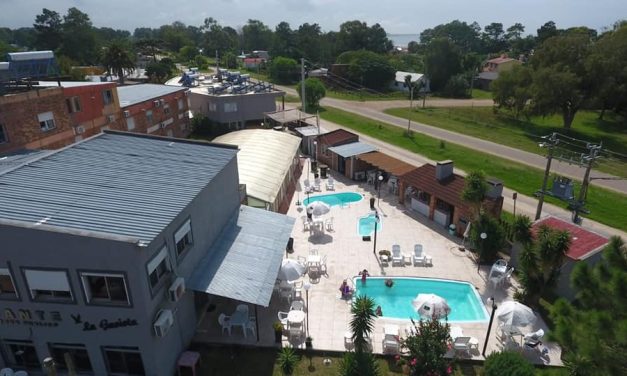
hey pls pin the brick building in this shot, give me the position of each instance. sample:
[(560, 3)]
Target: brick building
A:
[(155, 109)]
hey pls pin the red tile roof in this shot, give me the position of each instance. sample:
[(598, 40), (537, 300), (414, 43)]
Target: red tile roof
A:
[(583, 242), (449, 190), (337, 137)]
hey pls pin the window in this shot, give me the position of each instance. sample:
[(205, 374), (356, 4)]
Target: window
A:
[(105, 288), (3, 135), (46, 121), (180, 103), (107, 96), (130, 123), (73, 104), (183, 237), (166, 109), (230, 107), (126, 361), (212, 107), (77, 352), (21, 354), (47, 285), (158, 267), (7, 287), (149, 116), (325, 150)]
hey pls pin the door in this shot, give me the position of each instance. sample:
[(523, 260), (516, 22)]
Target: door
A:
[(341, 164)]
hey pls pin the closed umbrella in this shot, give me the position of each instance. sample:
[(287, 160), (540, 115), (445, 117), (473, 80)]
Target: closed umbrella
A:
[(291, 270), (431, 305), (318, 208), (514, 315)]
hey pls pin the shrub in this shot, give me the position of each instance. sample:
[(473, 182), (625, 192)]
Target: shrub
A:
[(314, 92), (287, 360), (507, 363), (283, 70)]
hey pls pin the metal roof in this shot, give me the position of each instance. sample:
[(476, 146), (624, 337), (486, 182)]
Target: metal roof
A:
[(265, 158), (352, 149), (9, 162), (399, 76), (133, 94), (291, 115), (244, 261), (307, 131), (114, 183), (387, 163)]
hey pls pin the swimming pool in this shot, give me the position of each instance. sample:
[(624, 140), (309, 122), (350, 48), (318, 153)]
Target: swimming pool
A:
[(335, 199), (395, 301), (366, 225)]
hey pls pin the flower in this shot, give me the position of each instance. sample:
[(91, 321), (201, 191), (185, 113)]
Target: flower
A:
[(397, 357), (449, 370), (413, 362)]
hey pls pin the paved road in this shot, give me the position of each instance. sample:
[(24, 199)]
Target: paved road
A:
[(374, 110), (524, 204)]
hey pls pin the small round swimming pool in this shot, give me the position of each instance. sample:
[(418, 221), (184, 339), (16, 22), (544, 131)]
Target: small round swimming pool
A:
[(335, 199), (395, 301), (366, 225)]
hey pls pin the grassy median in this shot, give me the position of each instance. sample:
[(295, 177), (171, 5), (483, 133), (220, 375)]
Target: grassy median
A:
[(606, 206)]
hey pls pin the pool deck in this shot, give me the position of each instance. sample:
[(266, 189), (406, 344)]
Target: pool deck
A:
[(347, 254)]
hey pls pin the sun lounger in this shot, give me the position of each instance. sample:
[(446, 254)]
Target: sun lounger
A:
[(330, 184), (397, 257), (419, 257)]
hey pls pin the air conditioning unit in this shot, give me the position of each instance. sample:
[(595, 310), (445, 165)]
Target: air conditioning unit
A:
[(187, 93), (156, 103), (163, 323), (162, 101), (110, 118), (127, 113), (177, 289), (79, 130)]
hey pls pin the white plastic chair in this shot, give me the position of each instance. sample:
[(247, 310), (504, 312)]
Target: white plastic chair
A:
[(242, 308), (532, 340), (252, 325), (500, 262), (283, 318), (225, 322), (316, 185), (20, 373), (7, 372), (329, 224), (330, 184), (462, 344), (297, 305), (306, 223), (396, 255), (297, 291), (419, 257), (308, 187)]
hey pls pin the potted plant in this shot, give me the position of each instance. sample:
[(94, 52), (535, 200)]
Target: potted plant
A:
[(287, 360), (308, 343), (278, 332), (384, 255)]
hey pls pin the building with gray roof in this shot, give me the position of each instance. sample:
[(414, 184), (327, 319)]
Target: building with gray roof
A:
[(101, 238)]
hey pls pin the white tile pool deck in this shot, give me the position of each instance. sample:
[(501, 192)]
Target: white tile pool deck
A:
[(347, 254)]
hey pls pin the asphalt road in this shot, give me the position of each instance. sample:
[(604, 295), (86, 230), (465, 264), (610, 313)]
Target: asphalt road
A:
[(374, 110)]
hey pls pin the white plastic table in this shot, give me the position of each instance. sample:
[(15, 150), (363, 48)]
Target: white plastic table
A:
[(295, 317)]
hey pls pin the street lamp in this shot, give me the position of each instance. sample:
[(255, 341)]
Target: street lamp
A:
[(379, 194), (487, 337), (376, 225), (307, 286), (483, 237)]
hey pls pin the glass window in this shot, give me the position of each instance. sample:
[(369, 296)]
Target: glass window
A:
[(48, 285), (130, 123), (46, 121), (73, 104), (105, 288), (158, 267), (21, 354), (180, 103), (107, 96), (77, 353), (3, 135), (7, 287), (127, 361), (183, 237), (212, 106), (166, 109), (230, 107), (149, 116)]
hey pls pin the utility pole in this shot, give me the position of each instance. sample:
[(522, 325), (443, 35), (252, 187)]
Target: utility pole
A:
[(593, 155), (411, 100), (302, 84), (551, 143)]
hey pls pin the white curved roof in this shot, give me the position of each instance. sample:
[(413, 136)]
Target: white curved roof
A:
[(265, 157)]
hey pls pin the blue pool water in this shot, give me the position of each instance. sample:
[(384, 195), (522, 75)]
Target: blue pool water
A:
[(334, 199), (366, 225), (396, 301)]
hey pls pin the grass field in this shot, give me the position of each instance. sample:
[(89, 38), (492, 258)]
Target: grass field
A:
[(481, 94), (482, 122), (606, 207), (364, 96)]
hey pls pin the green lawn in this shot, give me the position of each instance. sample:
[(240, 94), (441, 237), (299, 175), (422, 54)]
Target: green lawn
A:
[(482, 122), (606, 206), (481, 94), (365, 96)]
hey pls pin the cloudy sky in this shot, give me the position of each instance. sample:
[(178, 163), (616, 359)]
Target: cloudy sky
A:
[(396, 16)]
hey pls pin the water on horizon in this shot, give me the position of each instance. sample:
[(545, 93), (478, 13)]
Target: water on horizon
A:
[(402, 40)]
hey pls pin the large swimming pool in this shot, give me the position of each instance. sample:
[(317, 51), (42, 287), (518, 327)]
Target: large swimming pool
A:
[(366, 225), (335, 199), (395, 301)]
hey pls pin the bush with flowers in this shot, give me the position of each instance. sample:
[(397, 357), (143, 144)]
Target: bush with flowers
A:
[(428, 347)]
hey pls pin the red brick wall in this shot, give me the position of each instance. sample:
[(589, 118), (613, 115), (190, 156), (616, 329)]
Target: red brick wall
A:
[(177, 122)]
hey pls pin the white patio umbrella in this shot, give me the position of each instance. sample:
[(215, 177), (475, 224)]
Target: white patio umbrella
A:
[(318, 208), (290, 270), (431, 305), (514, 315)]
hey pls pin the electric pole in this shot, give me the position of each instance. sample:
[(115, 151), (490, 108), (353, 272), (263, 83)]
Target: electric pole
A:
[(550, 143), (593, 155), (302, 84)]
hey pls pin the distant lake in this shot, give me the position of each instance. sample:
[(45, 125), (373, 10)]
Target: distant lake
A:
[(402, 40)]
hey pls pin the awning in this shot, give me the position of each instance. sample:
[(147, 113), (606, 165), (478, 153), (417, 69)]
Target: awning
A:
[(244, 261), (290, 116), (306, 131), (352, 149), (386, 163)]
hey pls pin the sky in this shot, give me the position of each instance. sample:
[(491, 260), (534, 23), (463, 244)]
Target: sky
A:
[(396, 16)]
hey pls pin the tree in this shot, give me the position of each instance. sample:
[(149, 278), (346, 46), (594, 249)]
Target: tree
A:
[(494, 241), (256, 36), (368, 68), (158, 72), (522, 229), (117, 59), (592, 330), (309, 41), (540, 263), (457, 86), (48, 30), (187, 53), (175, 36), (361, 362), (283, 70), (512, 90), (428, 347), (217, 38), (465, 36), (149, 47), (284, 41), (494, 37), (443, 60), (356, 35), (546, 31), (507, 363), (229, 60), (79, 37), (314, 92), (475, 190)]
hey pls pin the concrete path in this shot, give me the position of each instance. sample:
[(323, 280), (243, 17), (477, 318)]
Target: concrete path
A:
[(374, 110)]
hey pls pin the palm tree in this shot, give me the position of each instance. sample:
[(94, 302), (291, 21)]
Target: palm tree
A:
[(475, 190), (117, 59), (362, 323)]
